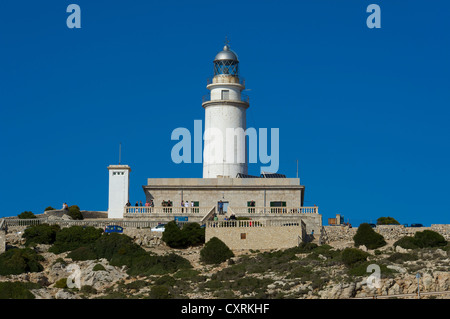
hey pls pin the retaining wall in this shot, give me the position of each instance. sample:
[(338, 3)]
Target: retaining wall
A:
[(389, 232)]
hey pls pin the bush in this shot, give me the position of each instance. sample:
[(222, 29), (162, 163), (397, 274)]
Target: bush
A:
[(120, 250), (15, 290), (353, 256), (406, 242), (190, 235), (74, 237), (88, 289), (158, 265), (41, 234), (429, 238), (75, 213), (17, 261), (26, 215), (82, 253), (194, 234), (387, 221), (61, 283), (215, 252), (49, 208), (366, 236), (423, 239), (159, 292), (99, 267), (399, 258)]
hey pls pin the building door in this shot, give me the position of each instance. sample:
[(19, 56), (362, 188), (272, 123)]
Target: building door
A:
[(224, 207)]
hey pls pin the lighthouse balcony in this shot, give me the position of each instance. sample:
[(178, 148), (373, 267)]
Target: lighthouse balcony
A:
[(225, 79), (244, 98)]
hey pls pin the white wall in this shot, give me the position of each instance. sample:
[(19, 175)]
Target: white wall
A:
[(119, 185)]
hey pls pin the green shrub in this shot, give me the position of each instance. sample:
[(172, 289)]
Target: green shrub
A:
[(75, 213), (99, 267), (215, 252), (423, 239), (158, 265), (429, 238), (17, 261), (306, 247), (365, 235), (190, 235), (353, 256), (160, 292), (14, 290), (74, 237), (26, 215), (88, 289), (118, 249), (186, 274), (173, 236), (61, 283), (49, 208), (401, 257), (406, 242), (195, 235), (40, 234), (82, 253), (387, 221)]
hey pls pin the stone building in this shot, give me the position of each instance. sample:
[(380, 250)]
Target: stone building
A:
[(226, 189)]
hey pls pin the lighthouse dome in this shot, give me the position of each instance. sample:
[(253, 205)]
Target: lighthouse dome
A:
[(226, 54)]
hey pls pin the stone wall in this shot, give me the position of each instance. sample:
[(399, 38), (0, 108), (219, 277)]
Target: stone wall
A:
[(2, 241), (267, 237), (389, 232), (86, 214)]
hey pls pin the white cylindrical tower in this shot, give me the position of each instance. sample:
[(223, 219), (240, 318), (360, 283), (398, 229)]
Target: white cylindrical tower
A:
[(225, 120)]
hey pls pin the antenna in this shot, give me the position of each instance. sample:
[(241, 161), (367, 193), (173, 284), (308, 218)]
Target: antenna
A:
[(120, 152)]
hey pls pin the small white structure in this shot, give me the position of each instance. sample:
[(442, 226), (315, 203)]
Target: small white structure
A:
[(225, 113), (119, 186)]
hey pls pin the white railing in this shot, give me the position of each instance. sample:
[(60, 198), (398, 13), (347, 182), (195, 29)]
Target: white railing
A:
[(252, 223), (94, 222), (241, 211), (142, 210)]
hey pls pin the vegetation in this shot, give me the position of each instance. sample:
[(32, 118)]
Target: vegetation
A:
[(17, 261), (353, 256), (387, 221), (40, 234), (74, 237), (120, 250), (17, 290), (423, 239), (48, 208), (99, 267), (215, 252), (190, 235), (75, 213), (26, 215), (366, 236)]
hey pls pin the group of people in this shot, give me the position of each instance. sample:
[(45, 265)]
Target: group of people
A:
[(65, 206), (139, 203)]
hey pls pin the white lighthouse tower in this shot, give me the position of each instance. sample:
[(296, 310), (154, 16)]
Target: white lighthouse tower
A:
[(225, 120)]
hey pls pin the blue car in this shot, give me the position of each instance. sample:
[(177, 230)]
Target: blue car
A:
[(113, 229)]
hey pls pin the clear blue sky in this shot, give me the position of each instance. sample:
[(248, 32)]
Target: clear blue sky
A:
[(365, 111)]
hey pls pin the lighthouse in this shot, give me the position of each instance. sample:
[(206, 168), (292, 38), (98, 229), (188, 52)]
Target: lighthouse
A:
[(225, 150)]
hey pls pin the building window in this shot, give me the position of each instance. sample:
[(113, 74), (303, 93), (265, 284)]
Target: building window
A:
[(225, 94), (276, 207), (243, 236)]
